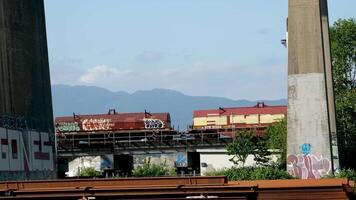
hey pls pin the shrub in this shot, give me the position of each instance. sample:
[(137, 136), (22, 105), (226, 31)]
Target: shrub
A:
[(344, 173), (151, 170), (252, 173), (89, 172)]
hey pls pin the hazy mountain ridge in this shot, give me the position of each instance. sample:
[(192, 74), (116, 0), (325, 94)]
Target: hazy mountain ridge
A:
[(94, 100)]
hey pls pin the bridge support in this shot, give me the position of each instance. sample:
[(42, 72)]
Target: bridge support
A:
[(311, 117), (25, 92)]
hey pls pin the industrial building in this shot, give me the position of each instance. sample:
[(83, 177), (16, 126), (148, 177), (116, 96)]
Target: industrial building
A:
[(238, 117)]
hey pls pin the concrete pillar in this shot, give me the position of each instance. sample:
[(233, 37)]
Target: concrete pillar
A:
[(24, 70), (310, 100), (25, 90)]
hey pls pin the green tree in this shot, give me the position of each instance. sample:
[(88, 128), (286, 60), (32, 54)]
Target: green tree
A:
[(245, 144), (277, 139), (241, 147), (343, 51), (261, 152)]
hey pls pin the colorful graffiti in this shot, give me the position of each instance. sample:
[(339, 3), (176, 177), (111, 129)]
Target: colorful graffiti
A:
[(153, 123), (68, 127), (97, 124), (308, 166)]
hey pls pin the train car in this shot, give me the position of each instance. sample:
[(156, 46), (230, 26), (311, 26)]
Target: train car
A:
[(113, 121), (258, 116)]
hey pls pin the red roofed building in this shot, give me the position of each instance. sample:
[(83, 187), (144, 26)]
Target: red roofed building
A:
[(258, 116)]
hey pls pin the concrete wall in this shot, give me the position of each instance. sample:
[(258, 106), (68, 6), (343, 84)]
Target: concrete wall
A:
[(105, 162), (216, 159), (77, 164)]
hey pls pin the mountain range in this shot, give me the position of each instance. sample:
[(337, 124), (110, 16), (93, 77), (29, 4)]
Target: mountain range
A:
[(95, 100)]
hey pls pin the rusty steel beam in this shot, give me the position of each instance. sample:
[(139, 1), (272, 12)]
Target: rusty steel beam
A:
[(112, 182), (178, 188), (303, 189)]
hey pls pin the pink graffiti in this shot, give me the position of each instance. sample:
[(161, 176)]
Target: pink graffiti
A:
[(96, 124), (308, 166)]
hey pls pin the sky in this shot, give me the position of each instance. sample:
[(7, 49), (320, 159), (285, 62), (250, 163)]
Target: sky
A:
[(222, 48)]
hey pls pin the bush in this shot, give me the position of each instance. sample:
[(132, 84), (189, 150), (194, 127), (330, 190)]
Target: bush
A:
[(344, 173), (152, 170), (88, 172), (252, 173)]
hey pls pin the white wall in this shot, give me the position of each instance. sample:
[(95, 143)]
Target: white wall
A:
[(216, 159), (83, 162)]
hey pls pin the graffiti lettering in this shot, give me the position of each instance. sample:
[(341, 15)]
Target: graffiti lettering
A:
[(97, 124), (16, 156), (67, 127), (11, 122), (153, 123), (308, 166)]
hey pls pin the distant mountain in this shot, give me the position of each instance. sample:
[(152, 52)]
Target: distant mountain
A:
[(95, 100)]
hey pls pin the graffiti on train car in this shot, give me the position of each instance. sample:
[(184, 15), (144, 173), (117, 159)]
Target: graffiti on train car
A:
[(153, 123), (97, 124), (67, 127)]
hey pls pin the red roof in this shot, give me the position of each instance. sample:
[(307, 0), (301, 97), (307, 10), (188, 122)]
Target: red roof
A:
[(122, 117), (260, 108)]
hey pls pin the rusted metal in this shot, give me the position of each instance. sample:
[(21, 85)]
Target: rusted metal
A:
[(110, 182), (178, 188), (303, 189), (112, 121)]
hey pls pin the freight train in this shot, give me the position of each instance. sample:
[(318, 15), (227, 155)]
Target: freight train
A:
[(113, 121)]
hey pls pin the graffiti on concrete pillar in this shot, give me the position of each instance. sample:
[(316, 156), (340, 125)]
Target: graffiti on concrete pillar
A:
[(13, 122), (305, 148), (96, 124), (153, 123), (307, 165)]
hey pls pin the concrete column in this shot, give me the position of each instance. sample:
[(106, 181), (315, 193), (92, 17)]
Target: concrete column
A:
[(24, 70), (25, 90), (329, 83), (309, 148)]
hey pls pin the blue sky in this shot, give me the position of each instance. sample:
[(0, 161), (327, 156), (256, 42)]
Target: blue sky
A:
[(226, 48)]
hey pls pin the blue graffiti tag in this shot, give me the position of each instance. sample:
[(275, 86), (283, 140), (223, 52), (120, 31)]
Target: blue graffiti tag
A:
[(305, 148), (181, 160)]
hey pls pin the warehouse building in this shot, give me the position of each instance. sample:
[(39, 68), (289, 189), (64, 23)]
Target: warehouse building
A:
[(257, 117)]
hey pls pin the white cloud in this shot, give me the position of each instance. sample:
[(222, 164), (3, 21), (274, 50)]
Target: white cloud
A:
[(101, 72)]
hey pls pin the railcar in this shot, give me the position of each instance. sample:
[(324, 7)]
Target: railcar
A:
[(113, 121)]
